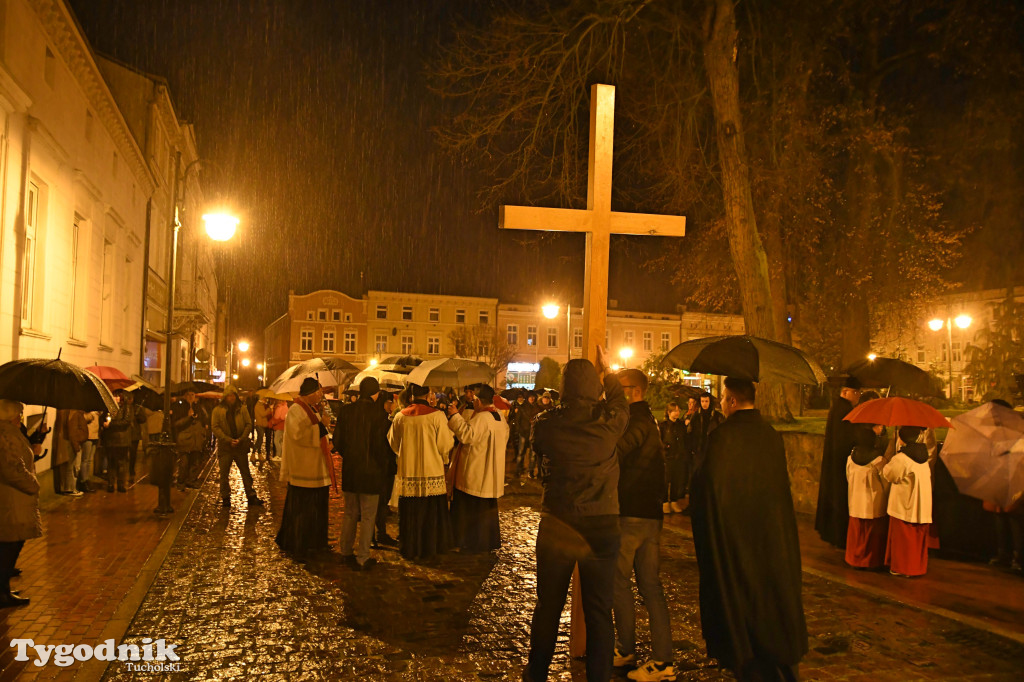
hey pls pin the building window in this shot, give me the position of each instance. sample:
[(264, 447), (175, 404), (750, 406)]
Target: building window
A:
[(433, 345), (512, 334), (126, 298), (531, 335), (407, 312), (956, 351), (460, 316), (648, 341), (76, 274), (350, 342), (336, 316), (28, 275), (348, 317), (481, 348), (107, 295), (306, 341), (552, 337), (380, 344), (577, 338), (328, 346), (485, 317), (607, 338), (434, 315), (406, 344), (627, 337), (382, 312), (321, 315), (945, 353), (310, 315), (666, 340), (920, 355)]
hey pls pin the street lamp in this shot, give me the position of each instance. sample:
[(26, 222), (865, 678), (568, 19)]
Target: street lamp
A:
[(626, 354), (215, 223), (373, 362), (220, 226), (246, 362), (962, 321), (871, 357), (550, 311)]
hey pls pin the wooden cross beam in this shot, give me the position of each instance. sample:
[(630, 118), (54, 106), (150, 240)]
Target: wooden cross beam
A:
[(598, 221)]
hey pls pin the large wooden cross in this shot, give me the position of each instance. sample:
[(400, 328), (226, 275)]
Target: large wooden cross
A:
[(598, 221)]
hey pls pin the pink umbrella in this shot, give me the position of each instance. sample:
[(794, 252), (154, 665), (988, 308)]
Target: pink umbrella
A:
[(111, 376)]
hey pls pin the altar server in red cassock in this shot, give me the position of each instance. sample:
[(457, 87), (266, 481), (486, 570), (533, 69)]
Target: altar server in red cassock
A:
[(910, 505)]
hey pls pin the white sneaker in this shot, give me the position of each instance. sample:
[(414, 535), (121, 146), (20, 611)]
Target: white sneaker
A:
[(622, 660), (652, 670)]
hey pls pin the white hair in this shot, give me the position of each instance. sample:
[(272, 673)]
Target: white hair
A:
[(10, 409)]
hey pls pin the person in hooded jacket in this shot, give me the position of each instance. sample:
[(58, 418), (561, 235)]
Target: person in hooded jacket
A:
[(910, 505), (361, 438), (189, 423), (525, 412), (232, 425), (580, 518), (698, 430), (116, 438)]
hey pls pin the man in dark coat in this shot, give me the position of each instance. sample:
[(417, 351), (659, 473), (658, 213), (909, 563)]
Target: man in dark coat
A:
[(832, 519), (361, 438), (525, 412), (580, 519), (748, 552)]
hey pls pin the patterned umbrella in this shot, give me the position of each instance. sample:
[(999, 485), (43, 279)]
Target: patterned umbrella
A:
[(51, 382)]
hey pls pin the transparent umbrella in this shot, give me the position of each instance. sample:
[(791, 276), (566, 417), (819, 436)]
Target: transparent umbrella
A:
[(985, 454)]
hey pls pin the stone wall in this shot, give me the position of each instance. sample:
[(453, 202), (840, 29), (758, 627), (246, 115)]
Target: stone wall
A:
[(803, 455)]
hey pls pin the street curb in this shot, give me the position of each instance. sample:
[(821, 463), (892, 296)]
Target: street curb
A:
[(93, 670), (882, 594)]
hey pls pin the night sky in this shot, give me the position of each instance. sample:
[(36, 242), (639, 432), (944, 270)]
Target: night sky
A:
[(318, 116)]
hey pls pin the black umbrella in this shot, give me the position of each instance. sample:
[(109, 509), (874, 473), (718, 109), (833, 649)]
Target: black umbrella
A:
[(146, 396), (196, 387), (51, 382), (897, 375), (512, 393), (745, 357), (686, 391)]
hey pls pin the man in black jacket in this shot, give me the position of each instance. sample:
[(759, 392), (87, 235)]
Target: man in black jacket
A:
[(361, 438), (641, 486), (525, 412), (580, 520)]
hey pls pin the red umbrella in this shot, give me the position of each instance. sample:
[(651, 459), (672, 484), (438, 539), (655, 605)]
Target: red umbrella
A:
[(897, 412), (111, 376)]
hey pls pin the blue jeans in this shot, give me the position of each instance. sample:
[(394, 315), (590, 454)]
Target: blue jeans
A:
[(361, 510), (85, 467), (639, 553)]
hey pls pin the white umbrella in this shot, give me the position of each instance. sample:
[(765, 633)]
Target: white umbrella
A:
[(985, 454), (389, 381), (329, 373), (451, 372)]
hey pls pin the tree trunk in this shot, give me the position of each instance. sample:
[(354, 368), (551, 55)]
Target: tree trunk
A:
[(745, 246)]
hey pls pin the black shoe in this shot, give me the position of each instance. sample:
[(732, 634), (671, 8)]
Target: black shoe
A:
[(226, 502), (121, 488), (7, 599), (349, 560), (386, 540), (255, 502), (367, 565), (110, 487)]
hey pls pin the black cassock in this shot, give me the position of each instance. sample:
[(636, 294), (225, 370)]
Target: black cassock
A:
[(748, 552), (832, 518)]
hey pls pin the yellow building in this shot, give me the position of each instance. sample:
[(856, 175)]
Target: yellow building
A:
[(323, 324)]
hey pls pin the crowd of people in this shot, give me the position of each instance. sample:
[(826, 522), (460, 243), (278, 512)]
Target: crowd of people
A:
[(610, 474)]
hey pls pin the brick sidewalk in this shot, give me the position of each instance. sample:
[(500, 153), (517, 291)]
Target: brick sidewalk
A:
[(93, 550)]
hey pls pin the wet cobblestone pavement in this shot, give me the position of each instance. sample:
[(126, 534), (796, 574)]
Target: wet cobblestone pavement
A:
[(239, 608)]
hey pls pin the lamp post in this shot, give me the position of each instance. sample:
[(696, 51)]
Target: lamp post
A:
[(550, 311), (217, 227), (963, 321)]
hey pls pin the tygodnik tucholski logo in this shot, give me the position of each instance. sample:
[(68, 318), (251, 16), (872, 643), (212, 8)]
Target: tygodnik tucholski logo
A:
[(154, 656)]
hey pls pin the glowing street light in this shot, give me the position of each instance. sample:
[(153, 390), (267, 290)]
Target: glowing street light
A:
[(246, 362), (234, 376), (259, 366), (220, 226), (373, 362), (550, 310), (962, 321), (243, 346), (615, 368), (871, 357)]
